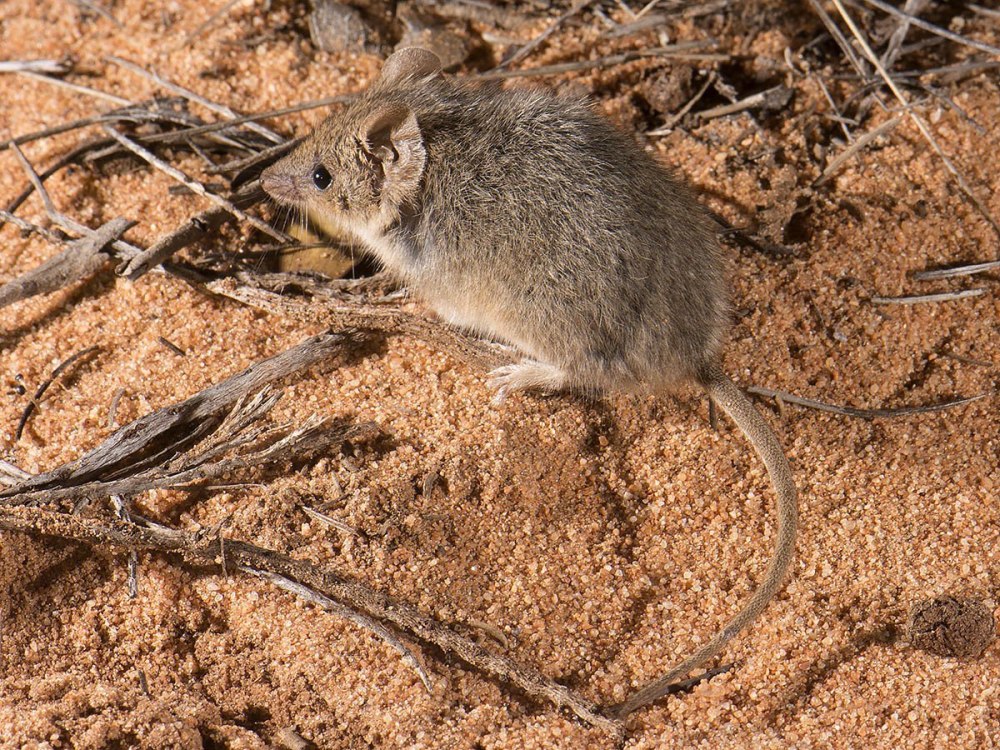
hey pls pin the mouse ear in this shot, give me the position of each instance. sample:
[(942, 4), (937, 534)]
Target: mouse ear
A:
[(391, 135), (409, 62)]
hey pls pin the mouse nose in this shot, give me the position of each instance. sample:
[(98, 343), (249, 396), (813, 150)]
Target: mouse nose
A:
[(278, 185)]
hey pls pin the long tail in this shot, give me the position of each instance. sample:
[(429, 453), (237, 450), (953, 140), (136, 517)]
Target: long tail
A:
[(766, 444)]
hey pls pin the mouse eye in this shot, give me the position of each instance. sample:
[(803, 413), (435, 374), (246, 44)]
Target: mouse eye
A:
[(321, 178)]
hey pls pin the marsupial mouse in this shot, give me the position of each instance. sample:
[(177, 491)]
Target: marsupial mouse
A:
[(529, 218)]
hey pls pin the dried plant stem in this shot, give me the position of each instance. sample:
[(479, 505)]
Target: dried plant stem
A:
[(928, 26), (60, 369), (673, 51), (917, 119), (204, 549), (851, 411), (528, 48), (190, 95), (348, 613), (80, 259), (193, 185), (965, 270), (886, 127), (76, 87), (917, 299), (125, 249), (34, 66)]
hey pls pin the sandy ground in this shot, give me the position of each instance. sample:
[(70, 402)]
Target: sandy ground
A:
[(603, 540)]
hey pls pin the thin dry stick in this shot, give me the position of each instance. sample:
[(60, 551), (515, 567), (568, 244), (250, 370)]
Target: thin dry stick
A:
[(329, 520), (976, 8), (893, 48), (60, 369), (188, 94), (123, 248), (58, 67), (527, 49), (95, 8), (841, 40), (26, 226), (349, 614), (916, 299), (188, 233), (65, 127), (194, 185), (851, 411), (886, 127), (76, 87), (271, 152), (917, 119), (673, 51), (637, 25), (838, 116), (770, 97), (201, 549), (121, 512), (71, 157), (343, 312), (668, 126), (129, 446), (80, 259), (928, 26), (243, 119), (966, 270)]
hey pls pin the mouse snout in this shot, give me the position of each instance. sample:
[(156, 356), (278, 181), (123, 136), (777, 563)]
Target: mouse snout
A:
[(279, 185)]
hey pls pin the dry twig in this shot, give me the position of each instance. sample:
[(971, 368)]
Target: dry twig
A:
[(916, 299), (60, 369), (190, 95), (204, 549), (193, 185), (917, 119), (80, 259), (851, 411)]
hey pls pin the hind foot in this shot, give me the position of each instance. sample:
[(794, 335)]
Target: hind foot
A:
[(528, 374)]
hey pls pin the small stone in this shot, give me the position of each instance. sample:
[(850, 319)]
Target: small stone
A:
[(949, 627), (335, 27), (668, 90), (420, 30)]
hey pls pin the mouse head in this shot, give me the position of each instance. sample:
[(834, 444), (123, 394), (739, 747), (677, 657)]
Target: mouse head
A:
[(361, 167)]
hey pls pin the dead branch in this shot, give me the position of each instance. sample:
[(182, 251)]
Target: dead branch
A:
[(886, 127), (80, 259), (893, 48), (204, 549), (95, 8), (75, 87), (188, 233), (673, 51), (917, 119), (129, 447), (332, 307), (348, 613), (126, 249), (528, 48), (928, 26)]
